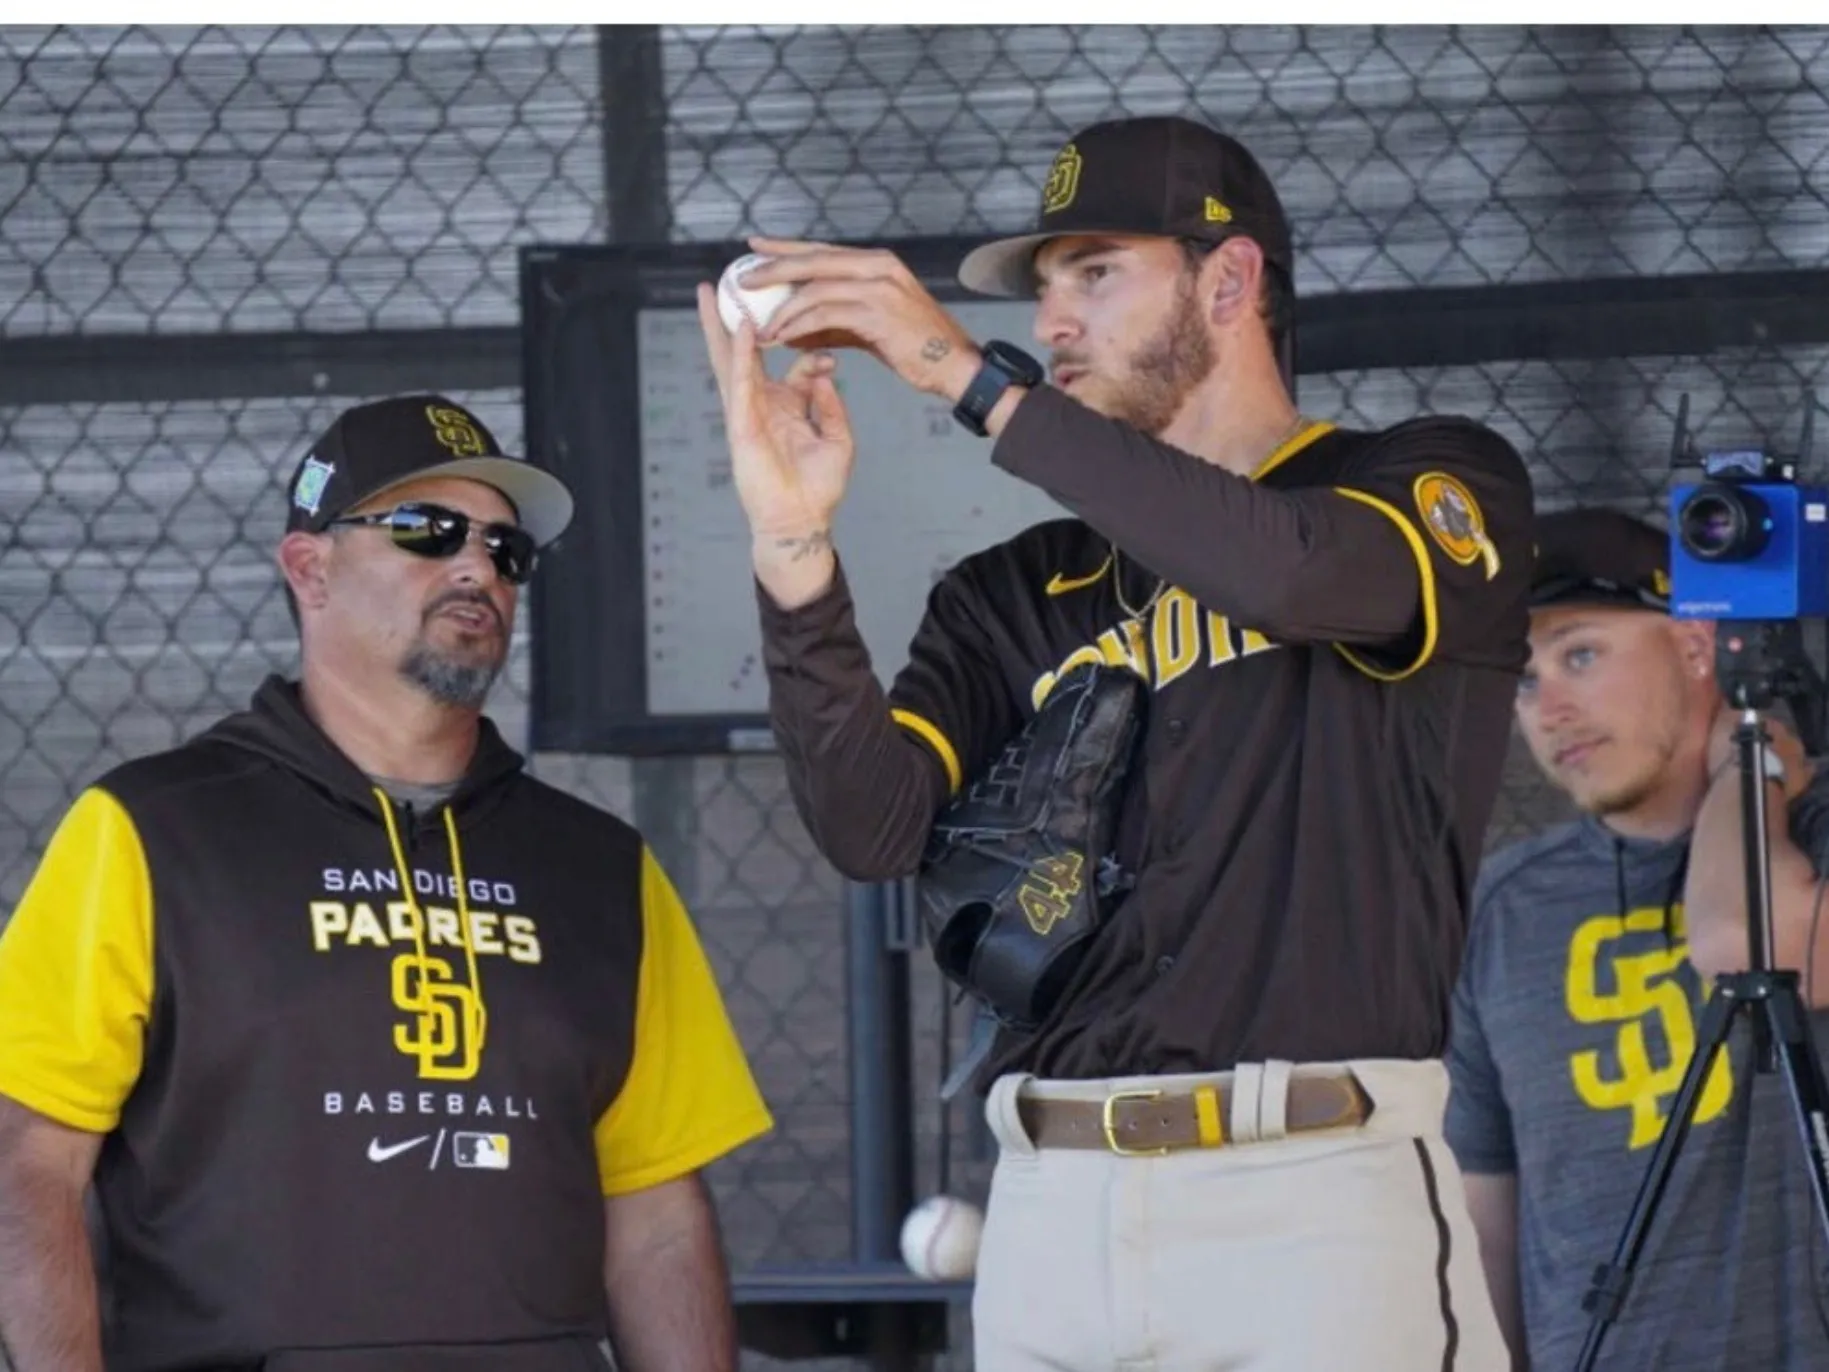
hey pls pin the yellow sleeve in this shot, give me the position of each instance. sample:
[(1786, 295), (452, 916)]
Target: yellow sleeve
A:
[(76, 971), (689, 1097)]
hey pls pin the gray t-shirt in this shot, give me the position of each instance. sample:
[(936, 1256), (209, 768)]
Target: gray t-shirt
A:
[(1574, 1021), (419, 795)]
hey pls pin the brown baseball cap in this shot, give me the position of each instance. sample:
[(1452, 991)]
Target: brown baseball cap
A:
[(1596, 556), (381, 444), (1160, 175)]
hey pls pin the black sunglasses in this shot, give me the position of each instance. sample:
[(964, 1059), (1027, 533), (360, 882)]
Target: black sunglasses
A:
[(433, 531)]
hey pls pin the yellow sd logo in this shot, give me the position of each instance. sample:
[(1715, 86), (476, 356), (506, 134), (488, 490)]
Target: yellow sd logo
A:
[(446, 1030), (454, 430), (1063, 181), (1654, 1033)]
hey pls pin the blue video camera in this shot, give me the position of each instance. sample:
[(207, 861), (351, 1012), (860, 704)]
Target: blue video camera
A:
[(1748, 542)]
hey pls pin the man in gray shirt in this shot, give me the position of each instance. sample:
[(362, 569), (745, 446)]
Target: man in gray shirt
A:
[(1588, 963)]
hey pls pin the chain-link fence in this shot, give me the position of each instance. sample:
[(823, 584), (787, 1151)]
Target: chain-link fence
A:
[(302, 193)]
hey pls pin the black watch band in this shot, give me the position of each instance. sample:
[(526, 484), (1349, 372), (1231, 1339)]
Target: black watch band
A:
[(1005, 365)]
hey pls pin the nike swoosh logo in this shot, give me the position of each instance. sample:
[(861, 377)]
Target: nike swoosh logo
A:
[(1060, 584), (376, 1153)]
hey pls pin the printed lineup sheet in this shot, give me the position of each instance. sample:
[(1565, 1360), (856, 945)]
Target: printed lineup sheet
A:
[(923, 494)]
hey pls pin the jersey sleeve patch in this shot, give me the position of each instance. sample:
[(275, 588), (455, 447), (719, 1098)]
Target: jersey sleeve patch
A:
[(1464, 499), (1452, 516)]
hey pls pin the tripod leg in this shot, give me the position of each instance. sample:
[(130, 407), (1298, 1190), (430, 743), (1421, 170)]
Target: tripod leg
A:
[(1607, 1296), (1789, 1019)]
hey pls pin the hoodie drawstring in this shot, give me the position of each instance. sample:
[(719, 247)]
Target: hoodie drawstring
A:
[(478, 1013)]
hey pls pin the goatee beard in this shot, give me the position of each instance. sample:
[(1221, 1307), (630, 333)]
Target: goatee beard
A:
[(450, 682)]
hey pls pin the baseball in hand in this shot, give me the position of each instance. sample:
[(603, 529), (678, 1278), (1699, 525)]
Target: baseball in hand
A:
[(759, 303), (736, 301), (940, 1238)]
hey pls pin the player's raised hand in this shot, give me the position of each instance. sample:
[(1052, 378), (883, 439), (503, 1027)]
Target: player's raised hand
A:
[(870, 295), (791, 451)]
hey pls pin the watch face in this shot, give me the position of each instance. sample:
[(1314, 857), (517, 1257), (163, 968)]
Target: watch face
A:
[(1015, 361)]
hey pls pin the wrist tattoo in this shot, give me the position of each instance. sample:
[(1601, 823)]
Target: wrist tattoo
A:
[(935, 349), (799, 549)]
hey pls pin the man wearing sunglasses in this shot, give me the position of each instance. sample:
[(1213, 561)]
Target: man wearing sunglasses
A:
[(377, 1052)]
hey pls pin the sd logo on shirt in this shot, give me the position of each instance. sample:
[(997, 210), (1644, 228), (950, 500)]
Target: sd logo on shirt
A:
[(1639, 995)]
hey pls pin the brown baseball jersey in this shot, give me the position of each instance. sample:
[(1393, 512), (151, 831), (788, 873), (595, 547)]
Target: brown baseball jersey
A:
[(1332, 646)]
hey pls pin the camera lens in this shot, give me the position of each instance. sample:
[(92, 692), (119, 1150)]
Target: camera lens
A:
[(1721, 524)]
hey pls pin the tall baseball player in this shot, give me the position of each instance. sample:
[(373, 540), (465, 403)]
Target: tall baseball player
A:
[(1221, 1144)]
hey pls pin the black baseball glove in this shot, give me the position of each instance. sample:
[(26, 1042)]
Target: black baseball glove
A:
[(1019, 872)]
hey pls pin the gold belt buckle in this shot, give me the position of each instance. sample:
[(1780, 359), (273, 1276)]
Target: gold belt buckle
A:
[(1107, 1118)]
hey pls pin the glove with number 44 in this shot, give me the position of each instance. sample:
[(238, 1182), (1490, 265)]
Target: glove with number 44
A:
[(1019, 873)]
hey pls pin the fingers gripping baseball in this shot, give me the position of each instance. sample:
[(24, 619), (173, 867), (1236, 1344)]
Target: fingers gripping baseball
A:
[(866, 295), (745, 291), (790, 439)]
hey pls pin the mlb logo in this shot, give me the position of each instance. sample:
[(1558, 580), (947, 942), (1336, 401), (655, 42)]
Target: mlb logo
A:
[(487, 1151), (313, 477)]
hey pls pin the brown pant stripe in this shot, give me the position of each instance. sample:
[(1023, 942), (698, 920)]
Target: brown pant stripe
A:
[(1441, 1256)]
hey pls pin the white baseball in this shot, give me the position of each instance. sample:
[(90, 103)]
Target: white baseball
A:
[(735, 301), (940, 1238)]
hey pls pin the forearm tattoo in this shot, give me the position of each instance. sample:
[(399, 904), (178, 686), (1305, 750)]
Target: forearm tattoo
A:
[(935, 349)]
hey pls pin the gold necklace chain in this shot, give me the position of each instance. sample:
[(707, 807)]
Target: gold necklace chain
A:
[(1117, 558), (1117, 586)]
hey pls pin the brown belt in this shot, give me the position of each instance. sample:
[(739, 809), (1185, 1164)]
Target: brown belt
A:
[(1151, 1122)]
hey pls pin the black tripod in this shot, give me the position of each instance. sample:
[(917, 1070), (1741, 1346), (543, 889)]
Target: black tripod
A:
[(1755, 662)]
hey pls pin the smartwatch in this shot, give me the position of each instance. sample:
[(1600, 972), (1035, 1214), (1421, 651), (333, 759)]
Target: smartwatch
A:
[(1005, 365)]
